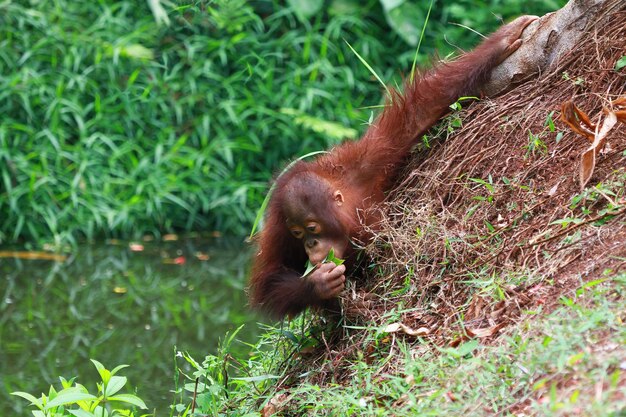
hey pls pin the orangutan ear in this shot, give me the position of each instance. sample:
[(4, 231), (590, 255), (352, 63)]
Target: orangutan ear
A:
[(338, 197)]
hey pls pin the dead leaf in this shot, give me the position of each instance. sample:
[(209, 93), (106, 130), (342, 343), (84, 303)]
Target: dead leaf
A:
[(307, 350), (580, 123), (588, 158), (619, 106), (475, 308), (577, 120), (501, 221), (485, 332), (553, 190), (396, 327), (275, 405), (457, 342)]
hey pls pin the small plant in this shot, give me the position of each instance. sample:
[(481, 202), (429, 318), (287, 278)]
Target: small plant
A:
[(535, 145), (454, 121), (579, 81), (76, 401), (549, 124)]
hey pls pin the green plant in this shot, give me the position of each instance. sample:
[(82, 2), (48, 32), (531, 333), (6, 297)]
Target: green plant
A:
[(75, 400), (579, 81), (535, 145)]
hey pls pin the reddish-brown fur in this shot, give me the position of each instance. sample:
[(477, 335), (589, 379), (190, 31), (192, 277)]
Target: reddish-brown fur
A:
[(362, 170)]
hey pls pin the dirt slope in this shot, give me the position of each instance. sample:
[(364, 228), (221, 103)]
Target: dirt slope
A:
[(501, 197), (490, 219)]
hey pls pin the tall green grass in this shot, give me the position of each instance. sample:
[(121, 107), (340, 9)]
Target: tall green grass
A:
[(112, 124)]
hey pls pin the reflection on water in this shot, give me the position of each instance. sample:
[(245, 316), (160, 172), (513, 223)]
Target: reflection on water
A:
[(119, 304)]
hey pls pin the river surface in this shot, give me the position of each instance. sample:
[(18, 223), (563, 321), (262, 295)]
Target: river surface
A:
[(131, 303)]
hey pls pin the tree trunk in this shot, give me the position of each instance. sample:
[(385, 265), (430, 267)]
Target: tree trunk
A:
[(549, 39)]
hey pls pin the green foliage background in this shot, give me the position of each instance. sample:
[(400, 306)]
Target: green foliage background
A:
[(112, 124)]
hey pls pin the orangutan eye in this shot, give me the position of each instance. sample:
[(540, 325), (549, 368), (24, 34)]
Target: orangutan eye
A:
[(297, 233), (313, 228)]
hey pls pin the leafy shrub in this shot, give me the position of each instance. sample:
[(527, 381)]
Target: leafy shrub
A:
[(76, 401)]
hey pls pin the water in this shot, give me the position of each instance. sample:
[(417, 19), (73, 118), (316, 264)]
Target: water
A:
[(120, 305)]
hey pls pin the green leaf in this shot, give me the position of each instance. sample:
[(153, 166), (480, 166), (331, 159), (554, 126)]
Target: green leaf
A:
[(159, 13), (467, 348), (29, 397), (137, 51), (81, 413), (391, 4), (130, 399), (257, 378), (333, 130), (369, 68), (69, 397), (191, 361), (329, 258), (332, 258), (117, 368), (402, 17), (345, 8), (462, 350), (309, 268), (306, 8), (100, 412), (52, 393), (65, 383), (621, 63), (115, 384), (100, 367), (105, 374), (419, 43), (567, 221), (593, 283)]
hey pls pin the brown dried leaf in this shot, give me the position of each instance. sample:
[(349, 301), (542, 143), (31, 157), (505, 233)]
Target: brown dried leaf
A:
[(475, 308), (275, 405), (587, 165), (619, 108), (619, 102), (553, 190), (485, 332), (577, 120), (588, 158), (456, 342), (396, 327)]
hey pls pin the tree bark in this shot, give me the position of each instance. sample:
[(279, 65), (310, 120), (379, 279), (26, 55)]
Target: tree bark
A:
[(550, 38)]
